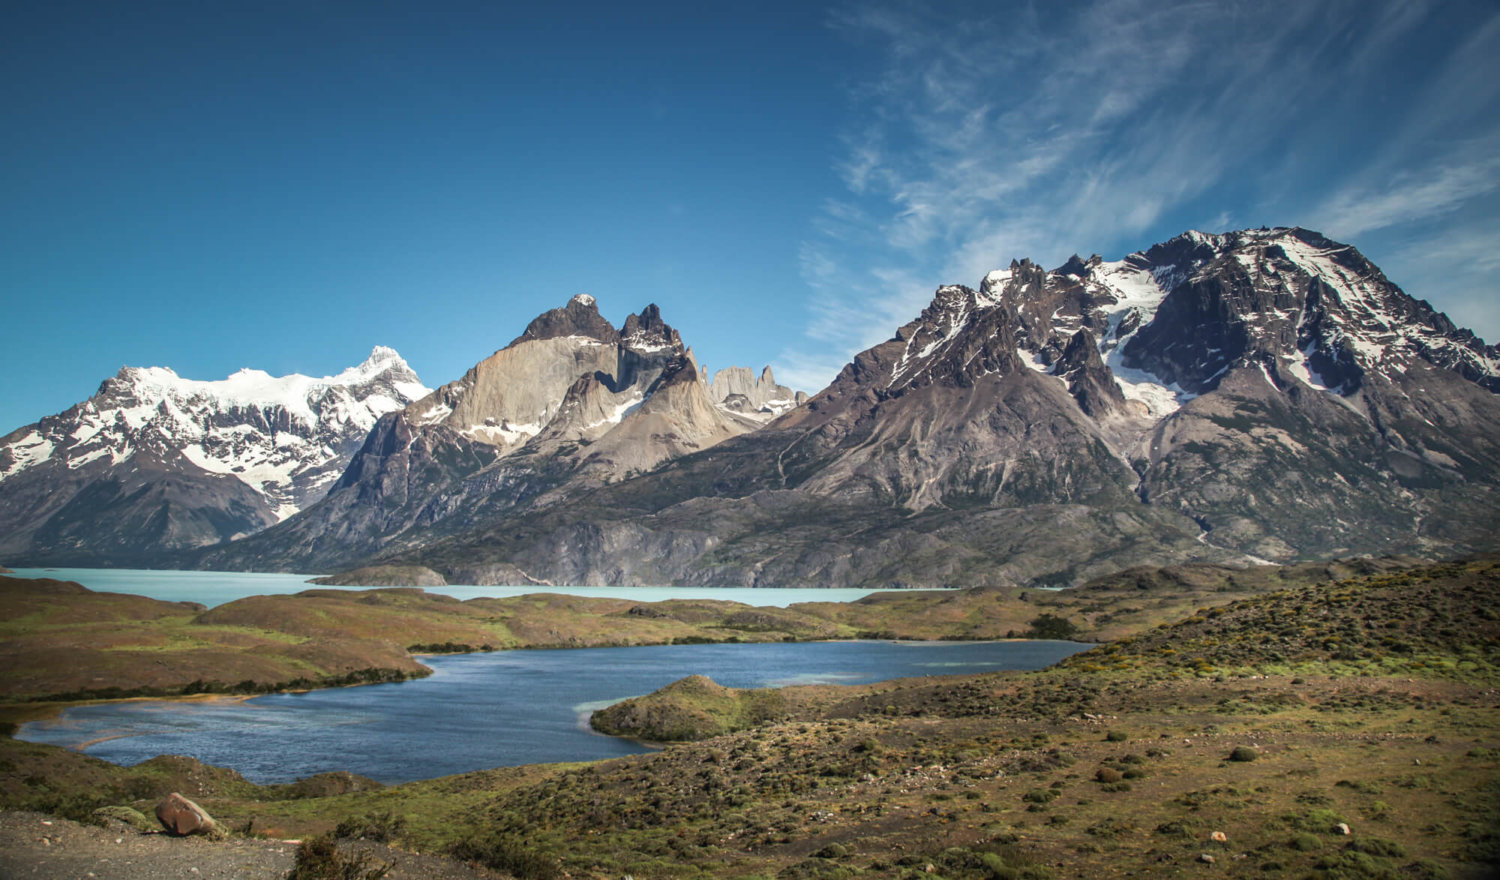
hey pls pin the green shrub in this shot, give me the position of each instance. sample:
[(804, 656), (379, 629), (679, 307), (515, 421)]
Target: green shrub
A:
[(379, 827), (814, 869), (318, 858), (1377, 846), (128, 816), (1178, 828), (1317, 821), (1050, 626), (1424, 869), (508, 854), (1243, 753), (1349, 865), (832, 851)]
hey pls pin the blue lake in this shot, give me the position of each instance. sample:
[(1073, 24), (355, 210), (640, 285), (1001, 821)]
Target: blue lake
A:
[(489, 710), (217, 587)]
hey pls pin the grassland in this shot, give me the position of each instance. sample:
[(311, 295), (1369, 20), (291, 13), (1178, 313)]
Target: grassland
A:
[(61, 641), (1241, 740)]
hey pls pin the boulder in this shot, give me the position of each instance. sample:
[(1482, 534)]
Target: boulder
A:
[(181, 817)]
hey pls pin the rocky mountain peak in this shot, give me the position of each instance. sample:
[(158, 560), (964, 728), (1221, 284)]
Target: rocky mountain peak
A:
[(1262, 392), (580, 317), (1292, 296), (226, 456), (647, 332), (737, 390)]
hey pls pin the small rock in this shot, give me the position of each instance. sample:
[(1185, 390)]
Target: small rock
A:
[(1341, 828), (1206, 859), (182, 817), (931, 868), (1219, 837)]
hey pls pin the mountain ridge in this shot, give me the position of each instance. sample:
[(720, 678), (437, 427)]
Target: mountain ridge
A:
[(570, 403), (154, 462), (1227, 398), (1263, 394)]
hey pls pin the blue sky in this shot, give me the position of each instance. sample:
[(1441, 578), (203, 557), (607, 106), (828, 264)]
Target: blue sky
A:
[(283, 185)]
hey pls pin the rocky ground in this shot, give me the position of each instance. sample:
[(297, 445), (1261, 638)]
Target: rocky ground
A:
[(36, 845)]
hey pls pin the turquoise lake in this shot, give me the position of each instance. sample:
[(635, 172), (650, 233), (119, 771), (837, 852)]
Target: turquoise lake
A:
[(217, 587)]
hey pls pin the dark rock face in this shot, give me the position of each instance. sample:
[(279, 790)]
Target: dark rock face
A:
[(647, 331), (580, 317), (1089, 380)]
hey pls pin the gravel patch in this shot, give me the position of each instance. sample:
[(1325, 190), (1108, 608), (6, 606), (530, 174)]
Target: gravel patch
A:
[(36, 846)]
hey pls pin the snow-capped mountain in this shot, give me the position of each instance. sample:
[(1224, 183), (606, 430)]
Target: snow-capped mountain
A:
[(193, 462), (1264, 394), (1257, 395), (569, 404), (1289, 300)]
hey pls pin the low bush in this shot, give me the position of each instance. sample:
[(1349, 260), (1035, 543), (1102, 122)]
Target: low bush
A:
[(319, 858), (508, 854), (379, 827)]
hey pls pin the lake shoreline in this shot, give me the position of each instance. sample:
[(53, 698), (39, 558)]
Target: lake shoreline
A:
[(537, 698), (178, 585)]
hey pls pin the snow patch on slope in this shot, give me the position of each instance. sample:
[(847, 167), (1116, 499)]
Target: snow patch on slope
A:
[(281, 435), (1137, 291)]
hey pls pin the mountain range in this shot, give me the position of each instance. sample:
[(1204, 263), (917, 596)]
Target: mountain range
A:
[(1261, 395), (154, 463)]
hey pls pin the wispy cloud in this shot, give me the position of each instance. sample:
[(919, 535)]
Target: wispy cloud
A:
[(1408, 196), (1454, 268), (1441, 161), (1037, 130)]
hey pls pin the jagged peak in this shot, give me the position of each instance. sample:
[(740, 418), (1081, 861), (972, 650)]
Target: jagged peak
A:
[(249, 386), (580, 317), (647, 332), (383, 354), (383, 361), (1075, 266)]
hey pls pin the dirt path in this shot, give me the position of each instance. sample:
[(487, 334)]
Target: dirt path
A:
[(34, 846)]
